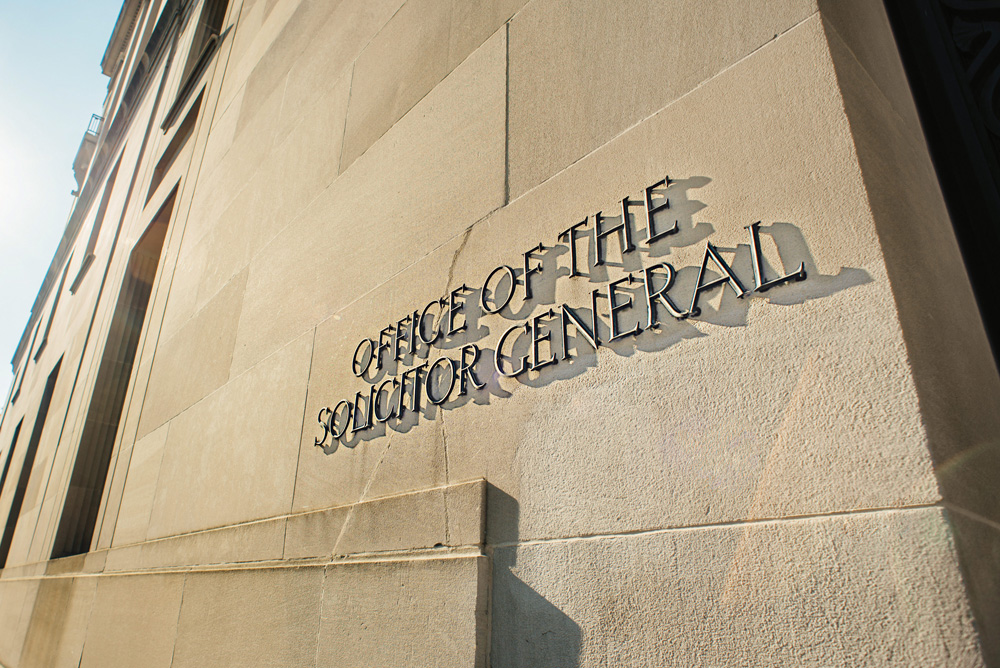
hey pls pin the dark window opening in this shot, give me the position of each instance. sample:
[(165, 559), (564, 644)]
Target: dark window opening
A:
[(952, 62), (207, 37), (175, 146), (213, 14), (26, 467), (27, 361), (52, 312), (10, 455), (90, 470)]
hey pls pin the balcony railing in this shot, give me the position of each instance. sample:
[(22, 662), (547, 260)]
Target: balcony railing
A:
[(94, 128)]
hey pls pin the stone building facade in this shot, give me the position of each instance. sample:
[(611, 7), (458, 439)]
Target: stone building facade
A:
[(504, 333)]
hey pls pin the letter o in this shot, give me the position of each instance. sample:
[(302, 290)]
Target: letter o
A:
[(356, 366), (332, 420), (482, 293)]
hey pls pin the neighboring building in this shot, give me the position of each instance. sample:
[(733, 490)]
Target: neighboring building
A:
[(394, 228)]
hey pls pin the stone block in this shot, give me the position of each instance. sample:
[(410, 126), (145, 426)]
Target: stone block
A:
[(579, 78), (331, 53), (231, 457), (314, 534), (191, 266), (242, 543), (126, 558), (17, 600), (195, 361), (59, 623), (386, 211), (370, 464), (251, 145), (425, 612), (303, 162), (140, 488), (395, 523), (880, 589), (948, 353), (473, 21), (407, 58), (270, 70), (422, 42), (444, 516), (466, 512), (88, 562), (264, 617), (133, 621), (978, 544), (223, 130)]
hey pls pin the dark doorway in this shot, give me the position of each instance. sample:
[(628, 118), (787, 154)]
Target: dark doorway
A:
[(951, 52)]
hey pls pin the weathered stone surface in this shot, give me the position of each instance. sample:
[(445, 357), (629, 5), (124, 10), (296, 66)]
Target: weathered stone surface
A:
[(881, 589), (407, 58), (434, 610), (17, 599), (390, 194), (265, 617), (314, 534), (416, 49), (245, 461), (140, 488), (978, 543), (758, 408), (59, 622), (242, 543), (133, 622), (330, 55), (443, 516), (303, 162), (195, 361), (778, 479), (578, 78), (949, 356)]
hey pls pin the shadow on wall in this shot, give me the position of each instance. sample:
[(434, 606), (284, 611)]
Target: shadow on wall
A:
[(527, 629), (574, 258)]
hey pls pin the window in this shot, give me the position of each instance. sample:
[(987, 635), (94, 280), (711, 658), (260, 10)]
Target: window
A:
[(213, 14), (52, 312), (26, 466), (27, 361), (204, 45), (93, 458), (10, 454), (174, 147)]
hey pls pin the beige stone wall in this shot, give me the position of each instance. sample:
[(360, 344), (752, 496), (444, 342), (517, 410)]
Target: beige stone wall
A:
[(795, 477)]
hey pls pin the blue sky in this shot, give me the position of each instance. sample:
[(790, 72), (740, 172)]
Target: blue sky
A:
[(50, 84)]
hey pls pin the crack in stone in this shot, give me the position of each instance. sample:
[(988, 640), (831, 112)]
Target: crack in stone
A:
[(363, 496), (454, 260)]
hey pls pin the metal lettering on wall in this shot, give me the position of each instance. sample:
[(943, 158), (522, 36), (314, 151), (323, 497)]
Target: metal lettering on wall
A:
[(645, 296)]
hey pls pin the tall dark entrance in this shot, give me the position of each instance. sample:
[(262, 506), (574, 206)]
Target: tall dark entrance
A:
[(951, 52)]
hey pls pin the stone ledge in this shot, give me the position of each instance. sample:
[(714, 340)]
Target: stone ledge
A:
[(448, 516)]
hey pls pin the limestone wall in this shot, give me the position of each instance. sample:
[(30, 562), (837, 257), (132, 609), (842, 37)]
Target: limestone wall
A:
[(799, 475)]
